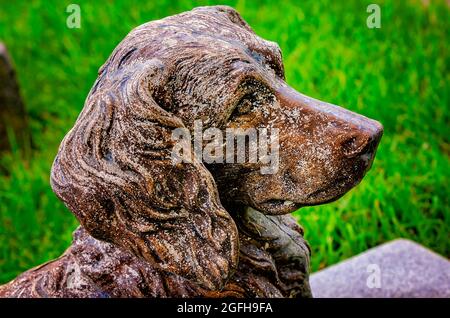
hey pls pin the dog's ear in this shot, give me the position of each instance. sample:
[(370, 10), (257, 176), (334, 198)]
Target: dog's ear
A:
[(114, 172)]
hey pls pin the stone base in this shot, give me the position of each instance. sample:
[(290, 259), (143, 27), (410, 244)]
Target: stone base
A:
[(400, 268)]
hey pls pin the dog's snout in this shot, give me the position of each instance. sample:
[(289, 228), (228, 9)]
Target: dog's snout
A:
[(358, 135), (354, 145), (362, 143)]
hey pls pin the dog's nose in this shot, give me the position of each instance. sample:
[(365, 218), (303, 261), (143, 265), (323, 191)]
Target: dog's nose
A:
[(362, 142)]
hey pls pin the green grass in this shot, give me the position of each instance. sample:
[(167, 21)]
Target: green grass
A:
[(398, 74)]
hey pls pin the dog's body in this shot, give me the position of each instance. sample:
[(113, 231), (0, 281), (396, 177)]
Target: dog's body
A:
[(92, 268), (150, 228)]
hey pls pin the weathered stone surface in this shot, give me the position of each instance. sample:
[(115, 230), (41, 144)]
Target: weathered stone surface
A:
[(12, 110), (406, 270), (150, 227)]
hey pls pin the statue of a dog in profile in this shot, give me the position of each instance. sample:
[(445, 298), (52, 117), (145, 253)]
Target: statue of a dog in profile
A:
[(152, 228)]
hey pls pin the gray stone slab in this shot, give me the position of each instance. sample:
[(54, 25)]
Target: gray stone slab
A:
[(399, 268)]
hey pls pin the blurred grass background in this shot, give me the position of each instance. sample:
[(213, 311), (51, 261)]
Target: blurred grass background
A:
[(398, 74)]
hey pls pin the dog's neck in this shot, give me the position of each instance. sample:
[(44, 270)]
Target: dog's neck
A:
[(273, 262), (272, 247)]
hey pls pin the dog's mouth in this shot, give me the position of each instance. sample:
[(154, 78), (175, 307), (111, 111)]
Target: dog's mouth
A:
[(277, 206), (332, 192)]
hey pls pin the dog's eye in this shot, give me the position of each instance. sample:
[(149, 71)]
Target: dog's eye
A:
[(244, 106)]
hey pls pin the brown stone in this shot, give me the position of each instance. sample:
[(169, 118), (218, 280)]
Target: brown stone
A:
[(150, 228), (12, 111)]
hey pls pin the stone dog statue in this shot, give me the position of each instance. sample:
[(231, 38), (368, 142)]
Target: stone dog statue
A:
[(150, 228)]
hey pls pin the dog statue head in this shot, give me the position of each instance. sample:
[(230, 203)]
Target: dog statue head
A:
[(114, 169)]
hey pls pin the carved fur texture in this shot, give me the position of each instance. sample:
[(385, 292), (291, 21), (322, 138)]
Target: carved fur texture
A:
[(150, 228)]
